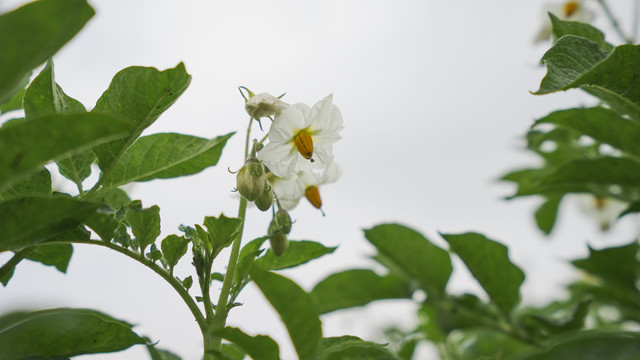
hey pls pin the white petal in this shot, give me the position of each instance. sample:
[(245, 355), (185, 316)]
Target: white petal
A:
[(286, 124), (280, 158)]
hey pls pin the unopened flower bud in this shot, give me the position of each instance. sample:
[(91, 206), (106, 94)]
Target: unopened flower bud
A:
[(279, 243), (265, 200), (264, 105), (282, 221), (250, 180)]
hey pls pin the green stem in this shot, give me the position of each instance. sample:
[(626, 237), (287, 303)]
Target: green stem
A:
[(206, 296), (218, 320), (613, 21), (175, 283)]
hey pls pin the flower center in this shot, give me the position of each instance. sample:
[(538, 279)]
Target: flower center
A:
[(570, 8), (304, 143), (313, 195)]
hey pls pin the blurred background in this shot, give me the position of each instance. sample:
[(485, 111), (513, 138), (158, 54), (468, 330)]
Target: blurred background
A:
[(435, 97)]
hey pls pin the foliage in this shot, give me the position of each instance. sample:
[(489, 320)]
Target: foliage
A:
[(39, 223)]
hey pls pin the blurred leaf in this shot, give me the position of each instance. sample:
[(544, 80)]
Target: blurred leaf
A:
[(164, 156), (357, 287), (614, 264), (38, 184), (561, 28), (138, 95), (573, 321), (296, 308), (486, 344), (222, 230), (299, 252), (414, 254), (173, 248), (145, 223), (260, 347), (489, 263), (547, 213), (15, 102), (457, 312), (601, 124), (351, 347), (63, 332), (32, 220), (45, 97), (27, 145), (575, 62), (38, 30), (602, 171), (591, 346)]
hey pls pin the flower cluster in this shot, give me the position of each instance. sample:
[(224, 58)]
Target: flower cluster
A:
[(296, 161)]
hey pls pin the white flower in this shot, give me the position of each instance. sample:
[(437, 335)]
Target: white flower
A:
[(304, 183), (604, 210), (572, 10), (299, 135), (264, 105)]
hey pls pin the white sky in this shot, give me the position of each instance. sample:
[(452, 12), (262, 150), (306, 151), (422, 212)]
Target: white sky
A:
[(435, 100)]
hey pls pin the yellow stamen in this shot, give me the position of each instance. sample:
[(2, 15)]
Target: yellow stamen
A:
[(313, 195), (304, 143), (570, 8)]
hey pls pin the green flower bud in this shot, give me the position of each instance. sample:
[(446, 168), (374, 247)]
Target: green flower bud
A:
[(265, 200), (283, 221), (279, 243), (250, 180)]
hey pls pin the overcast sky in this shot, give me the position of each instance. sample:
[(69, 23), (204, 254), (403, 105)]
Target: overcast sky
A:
[(435, 100)]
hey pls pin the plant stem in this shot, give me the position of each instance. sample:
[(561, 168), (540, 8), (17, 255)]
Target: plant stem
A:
[(175, 283), (218, 321), (613, 21)]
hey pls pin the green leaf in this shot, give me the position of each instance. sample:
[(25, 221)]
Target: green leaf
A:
[(173, 248), (57, 255), (160, 354), (486, 344), (601, 124), (38, 184), (33, 220), (260, 347), (38, 30), (617, 264), (164, 156), (575, 62), (27, 145), (591, 346), (351, 347), (561, 28), (145, 223), (489, 263), (414, 254), (296, 308), (63, 332), (139, 95), (357, 287), (602, 171), (299, 252), (222, 230), (232, 351), (453, 313), (15, 102), (45, 97), (547, 213)]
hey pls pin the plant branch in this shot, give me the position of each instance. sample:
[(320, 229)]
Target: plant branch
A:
[(175, 283)]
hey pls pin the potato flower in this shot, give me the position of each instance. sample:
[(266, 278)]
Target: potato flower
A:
[(304, 183), (300, 135)]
